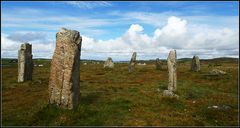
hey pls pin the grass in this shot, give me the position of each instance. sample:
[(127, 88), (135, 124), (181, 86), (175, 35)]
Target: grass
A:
[(115, 97)]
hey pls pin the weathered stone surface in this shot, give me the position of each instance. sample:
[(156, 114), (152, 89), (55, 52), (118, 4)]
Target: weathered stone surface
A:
[(158, 64), (108, 63), (169, 93), (195, 64), (217, 72), (25, 63), (65, 70), (133, 62), (172, 73)]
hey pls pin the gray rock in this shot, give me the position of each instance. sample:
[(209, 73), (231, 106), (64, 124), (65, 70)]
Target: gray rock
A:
[(158, 64), (25, 63), (222, 107), (133, 62), (217, 72), (195, 66), (108, 63), (172, 81), (168, 93), (172, 73), (65, 69)]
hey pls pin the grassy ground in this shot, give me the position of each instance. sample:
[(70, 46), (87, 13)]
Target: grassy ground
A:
[(116, 97)]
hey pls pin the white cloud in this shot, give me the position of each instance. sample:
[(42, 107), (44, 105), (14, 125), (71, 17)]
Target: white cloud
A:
[(88, 5), (189, 40), (41, 20), (175, 34), (8, 44), (175, 27), (158, 19), (8, 47)]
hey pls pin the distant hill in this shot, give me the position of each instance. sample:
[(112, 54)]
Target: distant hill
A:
[(225, 59), (184, 59)]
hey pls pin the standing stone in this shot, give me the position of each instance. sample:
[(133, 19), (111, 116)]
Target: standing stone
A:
[(195, 64), (108, 63), (172, 73), (65, 69), (25, 63), (158, 64), (133, 62), (172, 67)]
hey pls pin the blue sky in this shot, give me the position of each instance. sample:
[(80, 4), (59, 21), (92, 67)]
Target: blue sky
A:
[(116, 29)]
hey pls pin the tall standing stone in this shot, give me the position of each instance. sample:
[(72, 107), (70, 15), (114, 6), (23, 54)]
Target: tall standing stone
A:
[(133, 62), (25, 63), (172, 67), (195, 64), (65, 69), (108, 63), (158, 64), (172, 75)]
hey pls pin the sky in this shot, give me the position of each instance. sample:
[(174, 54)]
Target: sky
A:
[(117, 29)]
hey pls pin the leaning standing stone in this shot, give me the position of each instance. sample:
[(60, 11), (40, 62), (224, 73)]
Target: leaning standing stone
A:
[(133, 62), (158, 64), (25, 63), (108, 63), (195, 64), (65, 71)]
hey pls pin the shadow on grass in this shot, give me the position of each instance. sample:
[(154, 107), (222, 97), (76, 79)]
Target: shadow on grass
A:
[(89, 98), (46, 115), (82, 115)]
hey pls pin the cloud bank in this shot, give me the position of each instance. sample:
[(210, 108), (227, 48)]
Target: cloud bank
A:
[(188, 40), (205, 42)]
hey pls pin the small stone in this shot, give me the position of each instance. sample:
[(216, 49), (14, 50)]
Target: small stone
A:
[(168, 93), (141, 64), (225, 107), (158, 64), (217, 72), (39, 81), (108, 63), (195, 64)]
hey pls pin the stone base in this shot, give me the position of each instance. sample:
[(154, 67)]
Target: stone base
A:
[(168, 93)]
